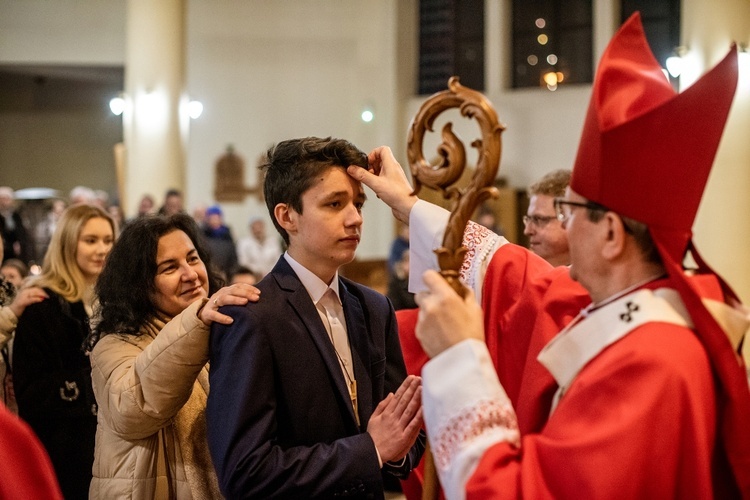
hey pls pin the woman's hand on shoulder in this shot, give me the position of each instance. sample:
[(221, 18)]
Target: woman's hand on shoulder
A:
[(238, 294), (25, 297)]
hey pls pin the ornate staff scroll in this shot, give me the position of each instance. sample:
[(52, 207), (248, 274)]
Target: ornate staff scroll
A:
[(464, 201)]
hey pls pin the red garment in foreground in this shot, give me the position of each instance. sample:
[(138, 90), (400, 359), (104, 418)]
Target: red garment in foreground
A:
[(26, 471)]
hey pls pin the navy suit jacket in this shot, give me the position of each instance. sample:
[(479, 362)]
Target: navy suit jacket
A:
[(280, 420)]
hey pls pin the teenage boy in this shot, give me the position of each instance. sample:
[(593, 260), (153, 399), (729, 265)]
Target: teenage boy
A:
[(309, 394)]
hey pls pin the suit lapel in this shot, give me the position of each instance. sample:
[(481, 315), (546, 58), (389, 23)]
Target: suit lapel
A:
[(356, 328), (299, 300)]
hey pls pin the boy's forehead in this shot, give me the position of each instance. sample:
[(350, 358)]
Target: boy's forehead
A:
[(335, 180)]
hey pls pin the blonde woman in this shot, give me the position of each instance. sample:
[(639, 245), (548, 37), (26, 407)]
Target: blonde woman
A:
[(52, 374)]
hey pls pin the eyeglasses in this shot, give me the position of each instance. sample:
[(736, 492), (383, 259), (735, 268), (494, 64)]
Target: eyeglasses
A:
[(563, 208), (538, 220)]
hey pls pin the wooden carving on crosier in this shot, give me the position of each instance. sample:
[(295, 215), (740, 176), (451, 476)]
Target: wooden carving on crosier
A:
[(452, 153), (464, 201), (230, 179)]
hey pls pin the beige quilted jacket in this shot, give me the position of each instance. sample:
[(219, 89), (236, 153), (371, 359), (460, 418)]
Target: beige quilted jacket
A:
[(142, 384)]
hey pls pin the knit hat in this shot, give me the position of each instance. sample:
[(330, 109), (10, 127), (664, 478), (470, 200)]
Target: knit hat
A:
[(214, 210)]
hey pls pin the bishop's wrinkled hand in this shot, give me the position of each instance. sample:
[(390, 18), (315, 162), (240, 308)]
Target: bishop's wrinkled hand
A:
[(445, 319)]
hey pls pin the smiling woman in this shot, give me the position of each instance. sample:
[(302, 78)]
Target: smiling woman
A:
[(51, 373), (181, 276), (148, 357)]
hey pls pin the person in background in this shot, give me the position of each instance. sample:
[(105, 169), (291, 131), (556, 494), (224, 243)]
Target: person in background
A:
[(547, 236), (488, 219), (244, 275), (51, 372), (148, 357), (398, 285), (13, 301), (115, 212), (398, 270), (16, 239), (101, 198), (46, 227), (218, 237), (146, 206), (258, 251), (173, 203), (621, 375), (199, 214), (399, 244), (82, 194), (15, 271), (309, 394)]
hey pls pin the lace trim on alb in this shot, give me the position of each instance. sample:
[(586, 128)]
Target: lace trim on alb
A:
[(479, 241), (487, 415)]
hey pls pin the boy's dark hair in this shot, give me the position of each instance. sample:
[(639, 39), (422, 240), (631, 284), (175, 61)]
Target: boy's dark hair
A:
[(126, 285), (290, 168)]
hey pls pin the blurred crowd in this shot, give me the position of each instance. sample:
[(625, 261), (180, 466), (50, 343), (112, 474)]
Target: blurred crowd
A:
[(27, 226)]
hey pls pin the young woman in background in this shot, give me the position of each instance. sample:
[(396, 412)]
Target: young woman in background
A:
[(51, 372)]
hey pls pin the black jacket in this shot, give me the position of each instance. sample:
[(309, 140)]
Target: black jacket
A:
[(20, 235), (52, 379)]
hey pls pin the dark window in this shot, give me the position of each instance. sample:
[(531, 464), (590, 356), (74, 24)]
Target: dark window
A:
[(552, 43), (661, 21), (451, 42)]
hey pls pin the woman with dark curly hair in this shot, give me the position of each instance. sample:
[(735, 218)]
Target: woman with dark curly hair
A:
[(148, 355)]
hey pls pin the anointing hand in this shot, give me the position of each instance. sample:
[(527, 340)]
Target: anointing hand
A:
[(388, 180)]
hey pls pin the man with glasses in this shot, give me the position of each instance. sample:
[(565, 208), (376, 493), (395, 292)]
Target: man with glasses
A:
[(624, 381), (547, 237)]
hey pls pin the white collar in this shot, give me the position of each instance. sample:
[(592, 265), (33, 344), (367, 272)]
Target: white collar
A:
[(596, 305), (593, 331), (315, 286)]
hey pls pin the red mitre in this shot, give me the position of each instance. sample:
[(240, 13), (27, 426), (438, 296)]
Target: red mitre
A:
[(646, 151)]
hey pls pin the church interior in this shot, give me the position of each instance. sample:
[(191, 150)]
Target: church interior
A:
[(267, 71)]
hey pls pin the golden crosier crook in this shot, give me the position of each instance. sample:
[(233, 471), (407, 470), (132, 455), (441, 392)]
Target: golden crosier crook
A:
[(464, 201)]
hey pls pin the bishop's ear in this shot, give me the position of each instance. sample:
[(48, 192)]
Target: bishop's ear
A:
[(616, 235)]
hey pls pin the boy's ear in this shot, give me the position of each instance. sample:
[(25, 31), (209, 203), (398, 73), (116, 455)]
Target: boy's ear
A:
[(286, 217)]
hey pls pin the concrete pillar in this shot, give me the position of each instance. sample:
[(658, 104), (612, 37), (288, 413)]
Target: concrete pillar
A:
[(154, 127)]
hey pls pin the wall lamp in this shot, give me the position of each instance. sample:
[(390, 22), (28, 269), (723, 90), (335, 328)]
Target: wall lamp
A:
[(676, 62), (744, 54), (117, 106)]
